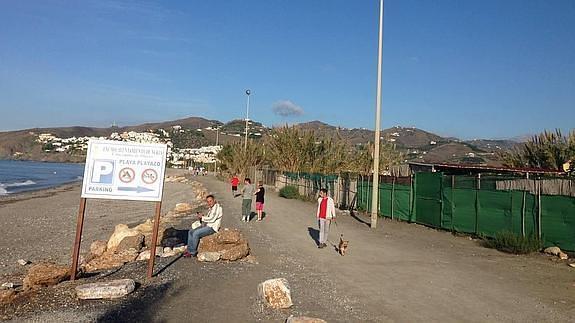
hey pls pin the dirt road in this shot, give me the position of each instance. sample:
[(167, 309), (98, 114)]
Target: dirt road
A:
[(400, 272)]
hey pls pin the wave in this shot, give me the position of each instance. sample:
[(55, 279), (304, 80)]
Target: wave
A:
[(16, 184), (3, 191)]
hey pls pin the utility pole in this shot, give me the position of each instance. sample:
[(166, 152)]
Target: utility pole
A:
[(375, 186), (248, 92)]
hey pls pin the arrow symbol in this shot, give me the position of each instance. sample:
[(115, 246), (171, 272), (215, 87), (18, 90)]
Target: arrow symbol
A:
[(139, 189)]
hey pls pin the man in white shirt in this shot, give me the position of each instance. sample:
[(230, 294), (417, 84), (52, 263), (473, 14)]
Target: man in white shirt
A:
[(210, 225)]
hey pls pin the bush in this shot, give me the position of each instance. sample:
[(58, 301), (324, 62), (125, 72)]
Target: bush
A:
[(289, 192), (510, 242)]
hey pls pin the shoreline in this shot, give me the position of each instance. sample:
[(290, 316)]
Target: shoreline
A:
[(38, 193), (41, 224)]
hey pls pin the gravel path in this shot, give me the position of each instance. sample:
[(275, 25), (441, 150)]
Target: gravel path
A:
[(399, 272)]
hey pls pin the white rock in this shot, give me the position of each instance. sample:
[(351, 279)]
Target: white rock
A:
[(120, 232), (7, 285), (144, 255), (556, 251), (275, 293), (112, 289), (180, 249), (209, 256), (552, 251), (572, 265), (23, 262)]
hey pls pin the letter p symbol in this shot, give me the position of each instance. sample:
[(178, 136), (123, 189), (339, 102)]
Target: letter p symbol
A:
[(103, 171)]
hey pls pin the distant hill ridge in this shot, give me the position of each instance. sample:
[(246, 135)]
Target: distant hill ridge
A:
[(417, 144)]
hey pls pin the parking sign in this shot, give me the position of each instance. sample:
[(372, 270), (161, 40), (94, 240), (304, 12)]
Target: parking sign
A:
[(124, 171)]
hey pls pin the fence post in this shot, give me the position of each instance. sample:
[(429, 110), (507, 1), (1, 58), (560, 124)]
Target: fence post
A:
[(412, 193), (392, 195), (523, 215), (452, 203), (441, 202), (478, 187), (539, 209)]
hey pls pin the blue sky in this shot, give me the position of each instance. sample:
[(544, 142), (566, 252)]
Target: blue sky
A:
[(465, 68)]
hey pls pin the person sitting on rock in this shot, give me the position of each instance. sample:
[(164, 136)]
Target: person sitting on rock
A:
[(210, 225)]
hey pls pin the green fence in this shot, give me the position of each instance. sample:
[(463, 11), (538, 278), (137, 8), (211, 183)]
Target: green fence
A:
[(466, 204)]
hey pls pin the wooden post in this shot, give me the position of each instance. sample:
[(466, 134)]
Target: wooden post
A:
[(154, 240), (78, 240)]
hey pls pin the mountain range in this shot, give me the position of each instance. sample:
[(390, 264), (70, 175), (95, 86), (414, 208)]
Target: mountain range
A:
[(416, 144)]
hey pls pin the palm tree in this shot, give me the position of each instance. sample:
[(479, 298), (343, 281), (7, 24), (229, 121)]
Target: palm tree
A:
[(546, 150)]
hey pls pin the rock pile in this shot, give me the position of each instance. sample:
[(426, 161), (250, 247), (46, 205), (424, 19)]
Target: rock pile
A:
[(130, 244), (176, 179)]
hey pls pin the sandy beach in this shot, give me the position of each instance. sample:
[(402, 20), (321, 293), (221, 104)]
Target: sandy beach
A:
[(41, 225)]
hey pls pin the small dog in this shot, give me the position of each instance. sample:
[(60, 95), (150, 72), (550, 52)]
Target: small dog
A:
[(342, 245)]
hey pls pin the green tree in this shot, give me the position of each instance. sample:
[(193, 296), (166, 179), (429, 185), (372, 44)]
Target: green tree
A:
[(547, 150), (235, 159), (362, 161)]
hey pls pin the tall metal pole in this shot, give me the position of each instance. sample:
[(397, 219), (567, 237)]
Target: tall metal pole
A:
[(216, 157), (248, 92), (375, 186)]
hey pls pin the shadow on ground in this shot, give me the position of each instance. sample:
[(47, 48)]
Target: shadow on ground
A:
[(138, 308), (314, 234), (358, 219)]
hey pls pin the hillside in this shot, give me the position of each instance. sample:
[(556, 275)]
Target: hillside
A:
[(195, 132)]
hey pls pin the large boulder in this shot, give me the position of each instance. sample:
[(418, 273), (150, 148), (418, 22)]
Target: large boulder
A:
[(98, 247), (183, 208), (275, 293), (45, 274), (131, 242), (229, 236), (147, 229), (111, 259), (108, 290), (120, 232), (236, 252), (229, 243)]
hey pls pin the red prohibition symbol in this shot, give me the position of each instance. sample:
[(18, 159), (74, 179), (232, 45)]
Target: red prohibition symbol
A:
[(149, 176), (127, 174)]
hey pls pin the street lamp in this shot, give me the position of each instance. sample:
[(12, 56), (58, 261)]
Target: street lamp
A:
[(217, 145), (248, 92), (375, 186)]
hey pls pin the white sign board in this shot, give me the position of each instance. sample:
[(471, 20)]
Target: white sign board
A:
[(124, 171)]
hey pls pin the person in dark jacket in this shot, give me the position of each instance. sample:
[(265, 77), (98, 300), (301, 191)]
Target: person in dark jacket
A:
[(260, 199)]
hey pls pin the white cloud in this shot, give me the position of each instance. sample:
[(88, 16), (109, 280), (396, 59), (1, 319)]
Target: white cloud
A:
[(286, 108)]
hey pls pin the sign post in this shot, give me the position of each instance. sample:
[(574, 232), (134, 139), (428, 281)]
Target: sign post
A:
[(122, 171)]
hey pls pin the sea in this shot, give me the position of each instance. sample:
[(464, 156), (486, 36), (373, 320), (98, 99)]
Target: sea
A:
[(21, 176)]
